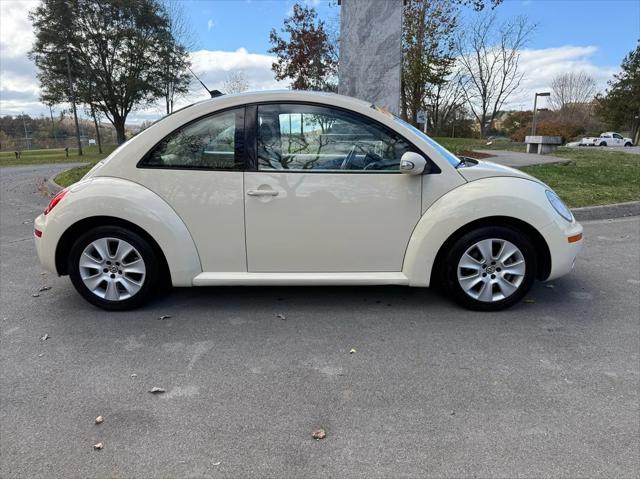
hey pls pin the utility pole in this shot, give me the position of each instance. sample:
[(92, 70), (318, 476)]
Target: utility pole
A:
[(27, 146), (72, 96), (53, 127)]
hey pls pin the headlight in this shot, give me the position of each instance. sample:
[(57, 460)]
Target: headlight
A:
[(559, 206)]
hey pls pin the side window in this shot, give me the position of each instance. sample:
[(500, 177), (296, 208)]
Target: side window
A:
[(209, 143), (615, 135), (319, 139)]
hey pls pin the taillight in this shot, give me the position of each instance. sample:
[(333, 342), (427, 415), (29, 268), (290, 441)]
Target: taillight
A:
[(55, 200)]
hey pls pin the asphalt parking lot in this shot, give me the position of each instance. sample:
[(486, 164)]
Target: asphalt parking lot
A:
[(549, 388)]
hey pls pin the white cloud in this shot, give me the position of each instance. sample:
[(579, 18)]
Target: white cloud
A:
[(16, 34), (542, 65), (210, 24), (18, 84), (213, 68)]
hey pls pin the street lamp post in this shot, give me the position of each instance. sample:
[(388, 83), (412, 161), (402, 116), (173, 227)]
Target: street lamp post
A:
[(535, 110)]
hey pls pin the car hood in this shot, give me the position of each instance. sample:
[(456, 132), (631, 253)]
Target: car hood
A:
[(487, 169)]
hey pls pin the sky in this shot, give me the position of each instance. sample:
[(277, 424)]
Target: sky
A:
[(571, 35)]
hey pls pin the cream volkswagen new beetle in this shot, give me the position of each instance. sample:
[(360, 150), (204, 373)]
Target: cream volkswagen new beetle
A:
[(301, 188)]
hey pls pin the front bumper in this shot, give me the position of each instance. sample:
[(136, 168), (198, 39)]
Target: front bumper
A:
[(563, 251)]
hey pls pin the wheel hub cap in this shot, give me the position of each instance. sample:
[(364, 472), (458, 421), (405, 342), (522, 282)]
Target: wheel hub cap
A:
[(112, 269), (491, 270)]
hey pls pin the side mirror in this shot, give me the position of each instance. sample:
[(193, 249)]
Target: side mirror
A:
[(412, 163)]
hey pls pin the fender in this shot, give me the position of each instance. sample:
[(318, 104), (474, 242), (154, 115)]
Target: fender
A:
[(132, 202), (519, 198)]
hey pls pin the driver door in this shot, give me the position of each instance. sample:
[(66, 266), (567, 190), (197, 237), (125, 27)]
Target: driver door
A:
[(617, 140), (328, 195)]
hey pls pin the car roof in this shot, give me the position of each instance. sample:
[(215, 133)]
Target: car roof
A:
[(293, 95)]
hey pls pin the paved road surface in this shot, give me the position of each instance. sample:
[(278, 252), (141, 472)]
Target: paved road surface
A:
[(547, 389), (518, 159)]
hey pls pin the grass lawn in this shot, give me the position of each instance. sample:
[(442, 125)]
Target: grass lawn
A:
[(54, 155), (69, 177), (592, 177)]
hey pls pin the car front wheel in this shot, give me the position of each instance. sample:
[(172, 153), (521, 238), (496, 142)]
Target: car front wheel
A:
[(490, 268), (113, 268), (628, 144)]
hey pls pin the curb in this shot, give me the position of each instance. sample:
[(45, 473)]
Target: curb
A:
[(607, 212), (53, 187)]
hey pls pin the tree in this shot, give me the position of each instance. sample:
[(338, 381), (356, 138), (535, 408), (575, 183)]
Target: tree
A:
[(175, 55), (304, 54), (489, 55), (115, 49), (571, 94), (445, 103), (236, 82), (427, 56), (620, 105)]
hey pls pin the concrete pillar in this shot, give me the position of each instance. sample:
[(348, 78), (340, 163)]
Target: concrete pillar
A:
[(371, 51)]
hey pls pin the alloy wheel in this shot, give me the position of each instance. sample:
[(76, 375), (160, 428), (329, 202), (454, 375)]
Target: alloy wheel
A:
[(491, 270), (112, 269)]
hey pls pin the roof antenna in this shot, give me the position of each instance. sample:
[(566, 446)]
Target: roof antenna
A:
[(213, 93)]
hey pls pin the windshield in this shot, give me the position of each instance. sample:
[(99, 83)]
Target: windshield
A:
[(450, 157)]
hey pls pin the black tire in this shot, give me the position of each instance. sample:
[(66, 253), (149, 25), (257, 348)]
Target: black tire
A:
[(450, 267), (603, 143), (627, 144), (152, 278)]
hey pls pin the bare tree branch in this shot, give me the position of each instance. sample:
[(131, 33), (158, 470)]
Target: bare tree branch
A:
[(489, 56)]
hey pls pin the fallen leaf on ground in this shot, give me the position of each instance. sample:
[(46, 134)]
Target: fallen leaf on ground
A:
[(281, 316), (353, 350), (164, 316), (319, 434), (35, 295), (217, 463), (550, 286), (45, 288), (529, 300), (98, 446), (99, 420), (156, 390), (45, 337)]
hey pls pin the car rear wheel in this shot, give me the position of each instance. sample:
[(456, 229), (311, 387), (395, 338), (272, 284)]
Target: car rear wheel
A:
[(603, 143), (114, 268), (490, 268)]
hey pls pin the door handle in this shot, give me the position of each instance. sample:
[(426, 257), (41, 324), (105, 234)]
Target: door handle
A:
[(262, 193)]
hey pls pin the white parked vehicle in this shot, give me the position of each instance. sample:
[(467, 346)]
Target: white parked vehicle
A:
[(609, 138), (301, 188)]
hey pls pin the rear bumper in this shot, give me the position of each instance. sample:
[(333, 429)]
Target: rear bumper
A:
[(45, 245), (563, 252)]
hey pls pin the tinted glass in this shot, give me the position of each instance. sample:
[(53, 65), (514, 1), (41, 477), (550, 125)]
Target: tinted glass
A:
[(209, 143), (320, 139)]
